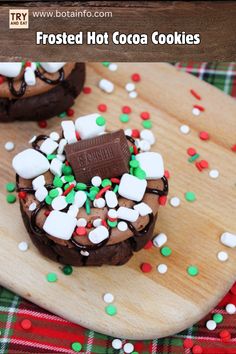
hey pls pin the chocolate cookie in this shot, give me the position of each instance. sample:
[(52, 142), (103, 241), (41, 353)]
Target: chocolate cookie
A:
[(88, 197), (33, 91)]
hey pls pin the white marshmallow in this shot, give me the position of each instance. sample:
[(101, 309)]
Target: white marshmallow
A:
[(99, 203), (10, 69), (48, 146), (122, 226), (73, 211), (111, 199), (98, 235), (81, 222), (52, 67), (56, 167), (87, 126), (148, 135), (61, 146), (30, 163), (29, 76), (60, 225), (152, 164), (131, 187), (127, 214), (159, 240), (59, 203), (143, 209), (228, 239), (80, 199), (41, 193), (106, 85), (38, 182), (68, 128), (144, 145), (54, 136)]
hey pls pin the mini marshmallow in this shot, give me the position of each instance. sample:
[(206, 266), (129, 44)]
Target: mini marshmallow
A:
[(148, 135), (81, 222), (111, 199), (99, 203), (41, 193), (143, 209), (30, 163), (29, 76), (48, 146), (52, 67), (106, 85), (122, 226), (80, 199), (68, 128), (127, 214), (152, 164), (60, 225), (56, 167), (38, 182), (144, 145), (159, 240), (73, 210), (12, 69), (131, 187), (59, 203), (228, 239), (98, 235), (87, 126), (54, 136), (61, 146)]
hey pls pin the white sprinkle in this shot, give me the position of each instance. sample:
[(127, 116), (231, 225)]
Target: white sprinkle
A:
[(81, 222), (32, 206), (222, 256), (23, 246), (84, 253), (175, 202), (144, 145), (32, 139), (128, 132), (106, 85), (128, 348), (112, 213), (162, 268), (113, 67), (184, 129), (211, 325), (130, 87), (230, 309), (99, 203), (196, 112), (108, 298), (214, 174), (54, 136), (96, 181), (122, 226), (9, 146), (159, 240), (133, 94), (97, 222), (116, 344)]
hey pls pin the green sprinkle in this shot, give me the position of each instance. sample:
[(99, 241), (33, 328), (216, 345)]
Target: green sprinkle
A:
[(190, 196), (66, 170), (134, 163), (111, 310), (124, 118), (131, 149), (51, 157), (115, 190), (166, 251), (106, 182), (48, 200), (81, 186), (70, 197), (10, 187), (51, 277), (76, 346), (106, 63), (112, 224), (57, 182), (147, 124), (92, 195), (53, 193), (193, 158), (131, 171), (87, 206), (100, 121), (69, 178), (139, 173), (192, 271), (37, 64), (67, 269), (62, 115), (218, 318), (94, 189), (11, 198)]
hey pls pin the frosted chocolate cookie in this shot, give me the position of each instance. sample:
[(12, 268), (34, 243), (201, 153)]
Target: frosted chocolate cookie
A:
[(87, 196), (35, 91)]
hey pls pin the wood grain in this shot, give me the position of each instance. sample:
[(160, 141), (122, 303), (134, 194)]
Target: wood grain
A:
[(149, 305), (215, 21)]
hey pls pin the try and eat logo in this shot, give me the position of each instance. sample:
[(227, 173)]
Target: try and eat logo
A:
[(18, 18)]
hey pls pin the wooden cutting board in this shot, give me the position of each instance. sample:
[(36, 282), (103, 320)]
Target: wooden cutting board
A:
[(149, 305)]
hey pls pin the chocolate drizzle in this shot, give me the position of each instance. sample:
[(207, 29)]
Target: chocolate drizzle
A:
[(35, 142), (144, 230), (159, 192), (49, 81), (21, 90), (90, 247)]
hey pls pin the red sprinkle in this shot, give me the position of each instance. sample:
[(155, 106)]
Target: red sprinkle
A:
[(204, 135), (148, 245), (126, 109), (204, 164), (146, 267), (145, 115), (77, 135), (87, 90), (89, 225), (70, 112), (81, 231), (195, 94), (136, 77), (102, 107), (225, 335), (67, 191), (102, 191), (197, 349), (135, 150), (162, 200), (135, 133), (197, 164), (233, 148), (167, 174), (27, 64), (191, 151), (115, 180), (104, 223), (188, 343), (22, 195), (42, 123), (1, 80), (26, 324), (202, 109), (47, 212)]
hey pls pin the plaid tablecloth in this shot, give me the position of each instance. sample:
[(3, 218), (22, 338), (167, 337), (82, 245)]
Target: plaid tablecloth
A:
[(51, 334)]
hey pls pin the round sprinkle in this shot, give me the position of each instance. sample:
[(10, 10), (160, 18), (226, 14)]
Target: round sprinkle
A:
[(175, 202), (54, 136), (42, 124), (196, 112), (81, 222), (145, 115), (10, 187), (76, 346), (116, 344), (148, 245), (111, 310), (113, 67), (191, 151), (100, 121), (51, 277), (124, 118), (133, 94), (87, 90), (130, 87), (9, 146), (166, 251), (97, 222), (96, 181), (26, 324), (218, 318), (134, 163), (102, 107), (146, 267), (188, 343), (70, 112), (11, 198), (190, 196), (67, 269), (214, 174), (23, 246), (128, 348), (81, 231), (147, 124), (32, 206), (192, 271), (126, 109), (184, 129), (108, 298), (122, 226), (106, 63), (135, 77), (162, 268), (222, 256), (204, 164), (225, 335), (204, 135), (197, 349), (230, 309), (211, 325)]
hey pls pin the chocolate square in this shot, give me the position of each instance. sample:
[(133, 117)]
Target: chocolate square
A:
[(106, 156)]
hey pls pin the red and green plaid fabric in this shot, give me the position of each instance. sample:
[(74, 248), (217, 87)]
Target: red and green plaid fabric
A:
[(52, 334)]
